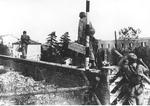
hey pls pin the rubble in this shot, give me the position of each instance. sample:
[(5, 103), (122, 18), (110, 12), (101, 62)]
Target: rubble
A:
[(14, 83)]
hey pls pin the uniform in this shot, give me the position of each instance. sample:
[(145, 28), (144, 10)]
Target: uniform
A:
[(132, 71), (25, 40), (82, 35)]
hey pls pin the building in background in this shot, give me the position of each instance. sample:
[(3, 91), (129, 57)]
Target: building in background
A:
[(109, 44), (33, 50), (7, 40)]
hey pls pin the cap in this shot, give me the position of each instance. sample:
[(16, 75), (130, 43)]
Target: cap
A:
[(24, 32), (82, 14)]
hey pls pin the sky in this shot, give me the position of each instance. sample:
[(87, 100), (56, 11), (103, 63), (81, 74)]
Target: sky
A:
[(40, 17)]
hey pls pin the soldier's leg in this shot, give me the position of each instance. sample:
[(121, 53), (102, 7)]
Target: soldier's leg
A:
[(139, 94), (92, 59), (23, 52), (140, 99), (26, 47)]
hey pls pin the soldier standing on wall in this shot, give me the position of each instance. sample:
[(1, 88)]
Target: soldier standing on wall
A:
[(82, 37), (25, 40)]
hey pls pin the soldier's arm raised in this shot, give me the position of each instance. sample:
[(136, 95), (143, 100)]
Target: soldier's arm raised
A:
[(145, 78), (141, 70)]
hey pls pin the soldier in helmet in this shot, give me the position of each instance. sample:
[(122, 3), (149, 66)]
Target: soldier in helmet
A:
[(82, 35), (134, 74), (25, 40)]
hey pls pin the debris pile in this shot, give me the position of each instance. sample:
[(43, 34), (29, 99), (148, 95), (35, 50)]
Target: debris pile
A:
[(20, 89)]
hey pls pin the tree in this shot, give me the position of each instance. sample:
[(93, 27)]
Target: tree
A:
[(4, 49), (64, 41), (129, 37), (122, 88), (129, 33), (51, 44), (51, 40)]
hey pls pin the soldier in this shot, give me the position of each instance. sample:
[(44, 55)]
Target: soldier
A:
[(82, 36), (134, 75), (25, 40)]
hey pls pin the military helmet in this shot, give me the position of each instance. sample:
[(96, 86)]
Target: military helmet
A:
[(132, 56)]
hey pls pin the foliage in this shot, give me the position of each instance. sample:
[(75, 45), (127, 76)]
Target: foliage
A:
[(64, 41), (129, 39), (129, 34), (125, 80), (51, 48), (56, 51), (51, 40), (4, 49), (52, 43), (65, 38), (122, 87)]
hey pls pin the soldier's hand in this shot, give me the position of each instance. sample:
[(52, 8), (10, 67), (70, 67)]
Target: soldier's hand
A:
[(141, 74)]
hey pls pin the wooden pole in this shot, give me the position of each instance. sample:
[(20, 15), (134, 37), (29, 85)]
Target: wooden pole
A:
[(87, 54), (87, 59), (116, 40)]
